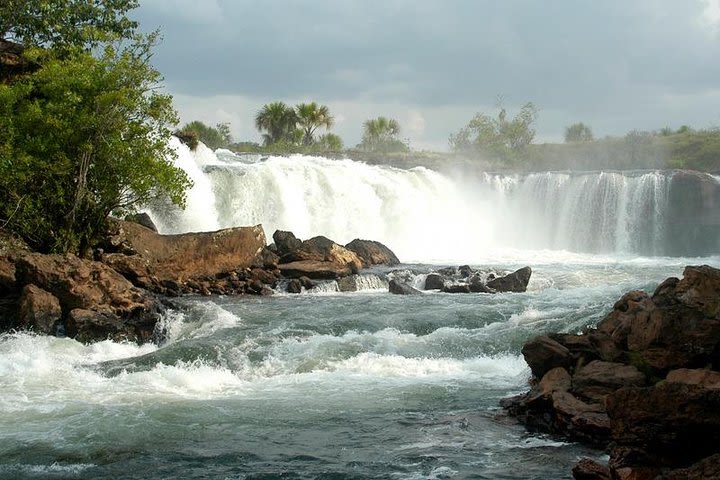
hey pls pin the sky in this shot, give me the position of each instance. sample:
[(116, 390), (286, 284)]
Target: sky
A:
[(616, 65)]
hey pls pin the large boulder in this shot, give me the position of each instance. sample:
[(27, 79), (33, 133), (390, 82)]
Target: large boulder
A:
[(319, 258), (372, 252), (90, 286), (39, 310), (513, 282), (543, 354), (400, 288), (285, 242), (172, 264)]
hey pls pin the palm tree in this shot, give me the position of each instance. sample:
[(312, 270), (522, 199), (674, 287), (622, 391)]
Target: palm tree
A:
[(381, 134), (278, 120), (312, 116)]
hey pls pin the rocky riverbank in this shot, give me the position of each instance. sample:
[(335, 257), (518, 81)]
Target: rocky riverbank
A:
[(645, 383)]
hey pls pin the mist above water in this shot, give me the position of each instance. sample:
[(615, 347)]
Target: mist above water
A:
[(424, 215)]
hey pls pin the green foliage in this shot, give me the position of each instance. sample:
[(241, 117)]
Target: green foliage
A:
[(381, 134), (213, 137), (65, 24), (279, 122), (329, 142), (578, 132), (82, 137), (694, 149), (497, 137), (310, 117)]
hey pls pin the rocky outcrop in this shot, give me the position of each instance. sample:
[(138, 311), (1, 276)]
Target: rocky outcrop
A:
[(645, 383), (222, 262), (372, 253), (316, 258), (465, 279), (55, 288)]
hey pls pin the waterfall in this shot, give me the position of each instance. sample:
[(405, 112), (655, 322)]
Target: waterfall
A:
[(423, 214)]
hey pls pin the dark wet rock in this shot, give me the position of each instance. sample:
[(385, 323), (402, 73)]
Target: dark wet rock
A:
[(597, 379), (7, 275), (587, 469), (285, 242), (476, 285), (705, 469), (456, 288), (465, 271), (307, 283), (400, 288), (294, 286), (434, 281), (372, 252), (513, 282), (348, 284)]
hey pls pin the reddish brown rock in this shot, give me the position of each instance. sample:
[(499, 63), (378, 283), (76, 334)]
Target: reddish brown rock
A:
[(597, 379), (185, 256), (372, 252), (7, 275), (702, 377), (314, 270), (543, 354), (587, 469), (39, 310)]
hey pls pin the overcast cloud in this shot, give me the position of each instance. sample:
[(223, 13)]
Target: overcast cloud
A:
[(432, 64)]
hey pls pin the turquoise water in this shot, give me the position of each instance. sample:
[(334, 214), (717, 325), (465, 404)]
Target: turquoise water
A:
[(317, 385)]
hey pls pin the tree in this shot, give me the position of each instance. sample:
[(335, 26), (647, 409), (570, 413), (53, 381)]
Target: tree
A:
[(329, 142), (381, 135), (497, 137), (213, 137), (578, 132), (279, 121), (104, 146), (66, 24), (310, 117)]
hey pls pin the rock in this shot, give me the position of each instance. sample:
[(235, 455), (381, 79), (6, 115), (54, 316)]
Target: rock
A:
[(348, 284), (434, 281), (456, 288), (267, 259), (314, 270), (294, 286), (89, 326), (372, 252), (92, 286), (598, 379), (39, 310), (186, 256), (667, 425), (465, 271), (322, 249), (307, 283), (476, 285), (7, 275), (578, 420), (513, 282), (285, 242), (143, 219), (556, 380), (705, 469), (399, 288), (543, 354), (587, 469), (705, 378)]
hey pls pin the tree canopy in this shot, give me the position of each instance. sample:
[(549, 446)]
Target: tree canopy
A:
[(213, 137), (85, 133), (578, 132), (278, 121), (62, 24), (382, 134), (310, 117), (498, 136)]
